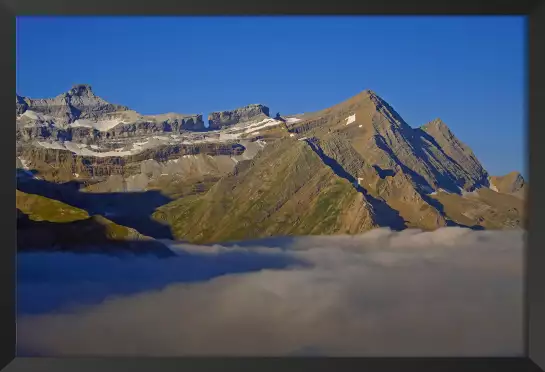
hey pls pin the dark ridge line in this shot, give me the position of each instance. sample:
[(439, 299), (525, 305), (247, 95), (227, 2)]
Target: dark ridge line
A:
[(423, 134), (419, 179), (385, 215)]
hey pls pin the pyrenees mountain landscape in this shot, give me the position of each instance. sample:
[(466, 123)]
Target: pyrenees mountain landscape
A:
[(90, 171), (270, 186)]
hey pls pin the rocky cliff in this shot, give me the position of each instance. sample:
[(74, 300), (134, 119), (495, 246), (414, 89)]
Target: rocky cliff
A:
[(223, 119), (78, 103), (81, 115)]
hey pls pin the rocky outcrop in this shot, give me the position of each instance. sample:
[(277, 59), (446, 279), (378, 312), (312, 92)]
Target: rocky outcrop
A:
[(20, 105), (169, 152), (222, 119), (174, 124), (50, 118), (78, 103), (61, 165), (440, 136), (511, 183), (84, 135), (306, 126)]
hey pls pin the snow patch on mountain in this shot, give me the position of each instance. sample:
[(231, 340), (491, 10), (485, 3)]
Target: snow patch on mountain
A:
[(36, 116), (101, 125), (292, 120), (78, 150), (266, 123), (351, 119), (52, 145), (492, 186)]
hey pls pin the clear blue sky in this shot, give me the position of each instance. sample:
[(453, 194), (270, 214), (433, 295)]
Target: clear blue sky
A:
[(469, 71)]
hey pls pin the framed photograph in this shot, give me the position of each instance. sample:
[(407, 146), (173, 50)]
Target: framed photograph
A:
[(274, 186)]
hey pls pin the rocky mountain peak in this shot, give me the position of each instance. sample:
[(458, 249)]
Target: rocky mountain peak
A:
[(369, 92), (516, 175), (81, 95), (366, 95), (515, 179), (387, 111), (436, 127), (81, 90), (511, 183), (370, 96), (437, 123)]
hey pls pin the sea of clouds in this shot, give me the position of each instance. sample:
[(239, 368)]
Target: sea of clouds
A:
[(451, 292)]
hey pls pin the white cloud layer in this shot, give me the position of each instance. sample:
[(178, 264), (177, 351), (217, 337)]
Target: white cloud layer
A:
[(452, 292)]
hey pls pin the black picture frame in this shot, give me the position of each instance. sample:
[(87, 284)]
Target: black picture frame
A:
[(534, 359)]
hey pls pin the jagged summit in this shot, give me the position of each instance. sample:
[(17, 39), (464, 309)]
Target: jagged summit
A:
[(365, 95), (81, 90), (438, 128), (436, 124), (368, 93), (83, 95)]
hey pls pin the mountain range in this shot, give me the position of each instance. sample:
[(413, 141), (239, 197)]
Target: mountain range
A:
[(346, 169)]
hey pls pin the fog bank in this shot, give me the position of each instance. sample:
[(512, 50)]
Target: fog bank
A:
[(451, 292)]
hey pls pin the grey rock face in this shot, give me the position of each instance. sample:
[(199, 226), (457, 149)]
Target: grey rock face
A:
[(472, 172), (20, 105), (431, 156), (194, 123), (45, 159), (78, 103), (143, 127), (222, 119), (29, 133), (50, 118)]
